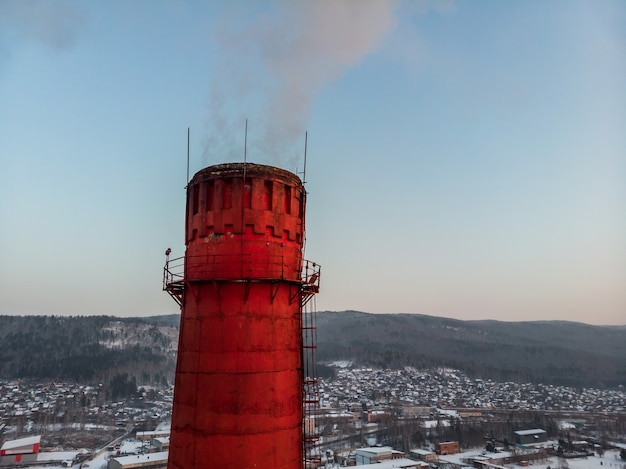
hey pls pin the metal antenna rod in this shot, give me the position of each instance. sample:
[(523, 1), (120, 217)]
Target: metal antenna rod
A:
[(187, 155), (245, 142), (245, 150), (305, 145)]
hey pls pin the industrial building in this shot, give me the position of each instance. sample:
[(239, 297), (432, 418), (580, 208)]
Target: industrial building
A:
[(376, 454), (161, 444), (21, 451), (536, 435), (148, 436), (245, 374), (447, 447), (143, 461), (400, 463), (424, 455)]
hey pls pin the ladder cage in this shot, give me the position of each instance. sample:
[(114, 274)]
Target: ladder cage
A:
[(310, 386)]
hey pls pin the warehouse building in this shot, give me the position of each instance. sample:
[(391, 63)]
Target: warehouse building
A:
[(424, 455), (143, 461), (376, 454), (447, 447), (536, 435), (21, 451)]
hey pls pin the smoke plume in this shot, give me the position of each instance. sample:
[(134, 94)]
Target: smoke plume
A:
[(274, 67), (50, 23)]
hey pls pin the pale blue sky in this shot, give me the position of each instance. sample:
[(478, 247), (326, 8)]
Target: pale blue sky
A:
[(465, 159)]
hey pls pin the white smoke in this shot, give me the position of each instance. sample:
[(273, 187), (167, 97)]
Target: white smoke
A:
[(274, 68), (52, 23)]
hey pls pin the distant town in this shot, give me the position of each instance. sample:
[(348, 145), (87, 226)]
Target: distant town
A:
[(409, 412), (445, 387)]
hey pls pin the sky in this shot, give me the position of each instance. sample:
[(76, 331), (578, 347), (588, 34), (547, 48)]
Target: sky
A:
[(464, 159)]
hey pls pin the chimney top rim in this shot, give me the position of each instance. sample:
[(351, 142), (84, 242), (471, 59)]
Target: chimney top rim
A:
[(225, 170)]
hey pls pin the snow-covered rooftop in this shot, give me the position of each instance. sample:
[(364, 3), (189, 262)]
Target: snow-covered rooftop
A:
[(377, 450), (31, 440), (396, 463), (534, 431), (140, 458)]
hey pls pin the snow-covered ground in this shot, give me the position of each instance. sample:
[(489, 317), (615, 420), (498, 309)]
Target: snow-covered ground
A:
[(610, 459), (129, 446)]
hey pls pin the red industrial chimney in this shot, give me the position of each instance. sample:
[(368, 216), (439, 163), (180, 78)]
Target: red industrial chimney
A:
[(238, 395)]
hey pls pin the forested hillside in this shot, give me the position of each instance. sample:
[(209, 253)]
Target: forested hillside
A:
[(550, 352), (95, 349), (87, 348)]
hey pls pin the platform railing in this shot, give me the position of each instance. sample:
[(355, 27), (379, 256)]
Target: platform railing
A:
[(177, 272)]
